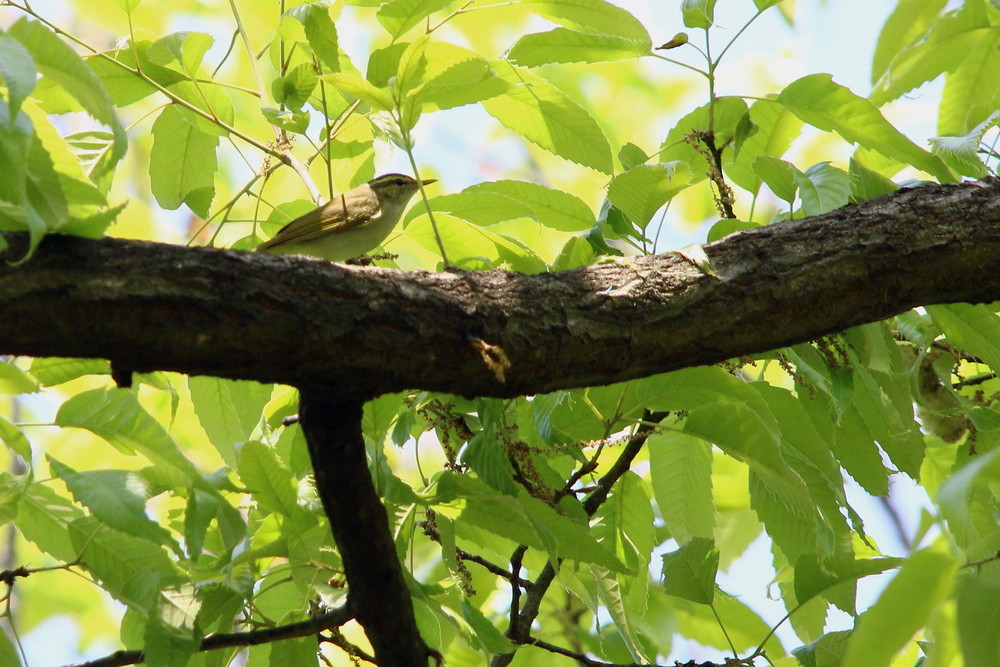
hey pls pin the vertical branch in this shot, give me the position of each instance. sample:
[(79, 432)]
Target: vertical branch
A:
[(377, 592)]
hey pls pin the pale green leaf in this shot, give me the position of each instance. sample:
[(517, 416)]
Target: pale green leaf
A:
[(270, 483), (633, 522), (454, 77), (485, 457), (187, 49), (321, 32), (978, 617), (962, 153), (116, 497), (902, 609), (681, 474), (15, 439), (57, 62), (493, 202), (13, 380), (117, 416), (907, 22), (170, 637), (568, 46), (182, 163), (817, 100), (293, 89), (228, 410), (8, 654), (726, 114), (777, 128), (593, 16), (613, 591), (940, 49), (698, 13), (352, 84), (822, 188), (17, 72), (129, 568), (398, 16), (969, 505), (50, 371), (550, 119), (641, 191), (44, 517), (970, 96), (689, 572), (814, 577)]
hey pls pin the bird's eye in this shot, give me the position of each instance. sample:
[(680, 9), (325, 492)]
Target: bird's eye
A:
[(400, 181)]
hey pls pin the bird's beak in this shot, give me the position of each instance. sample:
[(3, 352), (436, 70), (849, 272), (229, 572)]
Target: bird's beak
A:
[(428, 181)]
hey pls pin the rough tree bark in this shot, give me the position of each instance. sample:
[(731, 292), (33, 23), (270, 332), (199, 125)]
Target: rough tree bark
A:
[(362, 331), (345, 334)]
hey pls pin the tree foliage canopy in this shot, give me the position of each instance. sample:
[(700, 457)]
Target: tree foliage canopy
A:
[(836, 334)]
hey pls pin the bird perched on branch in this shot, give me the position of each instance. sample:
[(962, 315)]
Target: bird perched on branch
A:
[(350, 224)]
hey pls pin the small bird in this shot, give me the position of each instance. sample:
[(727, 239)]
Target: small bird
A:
[(350, 224)]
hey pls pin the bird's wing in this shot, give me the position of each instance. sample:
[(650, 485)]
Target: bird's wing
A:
[(329, 218)]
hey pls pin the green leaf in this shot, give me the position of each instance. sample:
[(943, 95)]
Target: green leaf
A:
[(969, 96), (182, 163), (978, 615), (866, 183), (698, 13), (486, 632), (398, 16), (827, 651), (972, 328), (116, 416), (689, 572), (271, 484), (454, 77), (44, 518), (8, 654), (187, 49), (777, 175), (550, 119), (568, 46), (902, 609), (941, 48), (228, 410), (641, 191), (129, 568), (777, 128), (907, 22), (590, 16), (352, 84), (962, 153), (116, 497), (633, 522), (17, 71), (614, 595), (725, 227), (493, 202), (51, 371), (485, 457), (60, 64), (681, 474), (171, 636), (15, 439), (968, 504), (727, 112), (321, 32), (817, 100), (822, 188), (13, 380), (814, 578), (293, 89), (568, 538)]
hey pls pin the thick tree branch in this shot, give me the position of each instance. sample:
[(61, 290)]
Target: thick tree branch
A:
[(376, 587), (312, 626), (361, 331)]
